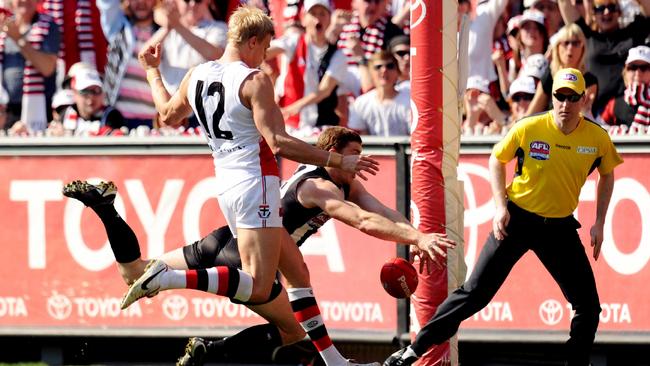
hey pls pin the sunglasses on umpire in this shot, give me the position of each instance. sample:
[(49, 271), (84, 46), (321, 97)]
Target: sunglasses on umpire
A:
[(642, 68), (568, 97), (600, 9)]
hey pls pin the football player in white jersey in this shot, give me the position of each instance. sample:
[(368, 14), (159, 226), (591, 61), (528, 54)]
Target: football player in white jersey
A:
[(235, 105)]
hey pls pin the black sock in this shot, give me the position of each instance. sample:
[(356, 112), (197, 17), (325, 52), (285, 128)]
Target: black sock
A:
[(123, 241), (265, 338)]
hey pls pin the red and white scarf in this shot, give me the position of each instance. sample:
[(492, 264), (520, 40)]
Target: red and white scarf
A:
[(372, 37), (82, 39), (638, 95), (34, 108)]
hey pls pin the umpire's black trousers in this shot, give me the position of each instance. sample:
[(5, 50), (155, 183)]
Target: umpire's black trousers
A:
[(557, 245)]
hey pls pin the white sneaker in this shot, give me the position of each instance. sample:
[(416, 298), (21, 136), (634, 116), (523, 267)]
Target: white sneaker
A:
[(147, 285)]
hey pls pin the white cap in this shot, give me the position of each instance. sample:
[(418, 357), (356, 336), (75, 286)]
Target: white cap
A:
[(311, 3), (86, 78), (479, 83), (522, 84), (536, 65), (62, 97), (513, 24), (531, 15), (639, 53)]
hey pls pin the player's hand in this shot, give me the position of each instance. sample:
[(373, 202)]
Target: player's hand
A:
[(150, 57), (596, 238), (499, 223), (360, 164), (435, 246), (423, 259)]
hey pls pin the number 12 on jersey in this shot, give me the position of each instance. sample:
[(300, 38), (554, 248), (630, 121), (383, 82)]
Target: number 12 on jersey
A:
[(212, 131)]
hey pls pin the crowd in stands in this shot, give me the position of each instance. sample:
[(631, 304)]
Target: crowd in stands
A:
[(70, 67)]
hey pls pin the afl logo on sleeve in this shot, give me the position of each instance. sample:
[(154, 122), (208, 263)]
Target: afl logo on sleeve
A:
[(539, 150)]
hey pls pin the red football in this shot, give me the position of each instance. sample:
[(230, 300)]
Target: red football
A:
[(399, 278)]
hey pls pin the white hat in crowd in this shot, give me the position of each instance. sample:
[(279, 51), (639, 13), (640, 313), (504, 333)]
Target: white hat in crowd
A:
[(84, 79), (311, 3), (639, 53), (62, 98), (531, 15), (479, 83), (522, 84), (513, 24), (536, 65)]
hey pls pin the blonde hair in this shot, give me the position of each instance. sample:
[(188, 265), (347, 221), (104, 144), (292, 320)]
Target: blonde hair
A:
[(248, 22), (570, 31)]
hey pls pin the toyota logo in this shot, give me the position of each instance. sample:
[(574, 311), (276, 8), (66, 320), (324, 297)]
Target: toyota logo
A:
[(551, 312), (175, 307), (59, 306)]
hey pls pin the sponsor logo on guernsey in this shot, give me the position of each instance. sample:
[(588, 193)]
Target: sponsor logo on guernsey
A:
[(589, 150), (539, 150)]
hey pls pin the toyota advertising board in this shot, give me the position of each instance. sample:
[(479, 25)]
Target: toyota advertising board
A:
[(59, 274)]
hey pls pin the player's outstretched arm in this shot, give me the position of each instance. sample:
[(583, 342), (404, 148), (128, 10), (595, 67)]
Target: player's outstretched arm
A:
[(171, 109), (324, 194), (258, 91)]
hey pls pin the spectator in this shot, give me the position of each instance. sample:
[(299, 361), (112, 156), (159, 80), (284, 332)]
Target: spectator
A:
[(189, 36), (533, 37), (569, 51), (400, 12), (82, 39), (633, 106), (551, 11), (128, 27), (383, 111), (307, 87), (482, 114), (29, 43), (481, 36), (89, 116), (521, 93), (608, 44), (400, 48), (369, 31), (536, 66), (464, 8)]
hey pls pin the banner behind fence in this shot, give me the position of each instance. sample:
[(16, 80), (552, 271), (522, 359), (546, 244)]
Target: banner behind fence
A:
[(58, 271)]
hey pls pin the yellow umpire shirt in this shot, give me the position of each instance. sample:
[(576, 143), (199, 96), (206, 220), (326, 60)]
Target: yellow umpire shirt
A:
[(552, 167)]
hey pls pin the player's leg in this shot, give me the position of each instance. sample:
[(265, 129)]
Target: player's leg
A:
[(492, 267), (563, 255), (253, 210), (267, 338), (303, 303), (124, 244)]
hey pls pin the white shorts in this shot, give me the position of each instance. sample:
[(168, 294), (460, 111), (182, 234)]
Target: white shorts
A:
[(251, 204)]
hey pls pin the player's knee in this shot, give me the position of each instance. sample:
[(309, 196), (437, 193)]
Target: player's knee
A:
[(261, 296)]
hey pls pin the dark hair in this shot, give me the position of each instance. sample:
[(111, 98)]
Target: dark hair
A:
[(398, 40), (337, 137)]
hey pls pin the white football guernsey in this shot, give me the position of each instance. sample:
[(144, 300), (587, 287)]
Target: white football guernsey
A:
[(238, 150)]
